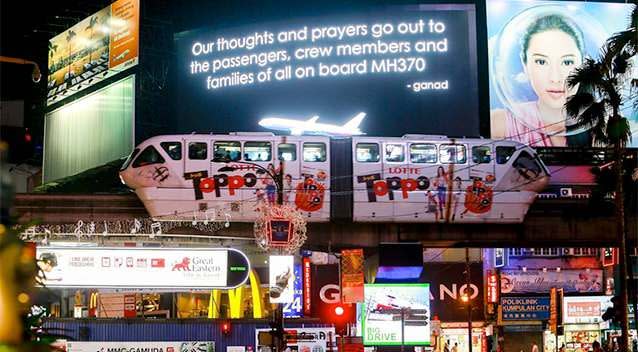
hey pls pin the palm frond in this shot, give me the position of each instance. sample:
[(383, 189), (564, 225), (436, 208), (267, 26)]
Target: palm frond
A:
[(618, 130), (592, 114), (588, 77), (599, 132), (578, 102)]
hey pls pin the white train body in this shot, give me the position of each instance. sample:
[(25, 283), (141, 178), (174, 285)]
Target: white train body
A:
[(393, 179)]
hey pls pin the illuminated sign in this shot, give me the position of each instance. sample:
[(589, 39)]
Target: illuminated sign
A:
[(307, 288), (393, 63), (352, 261), (499, 257), (585, 309), (85, 346), (610, 256), (98, 47), (525, 308), (396, 314), (141, 268), (294, 308), (492, 287), (532, 51), (281, 278)]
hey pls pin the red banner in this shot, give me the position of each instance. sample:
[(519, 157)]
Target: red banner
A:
[(352, 275), (492, 287), (307, 289)]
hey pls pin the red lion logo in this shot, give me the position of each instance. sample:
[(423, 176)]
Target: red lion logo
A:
[(183, 266)]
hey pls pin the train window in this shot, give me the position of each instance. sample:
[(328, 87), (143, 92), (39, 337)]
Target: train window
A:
[(394, 153), (148, 156), (527, 166), (197, 150), (503, 154), (226, 151), (129, 159), (367, 152), (423, 153), (314, 152), (481, 155), (173, 149), (287, 152), (453, 154), (257, 151)]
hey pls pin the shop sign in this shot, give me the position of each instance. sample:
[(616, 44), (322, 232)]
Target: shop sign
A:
[(307, 288), (555, 311), (538, 281), (325, 288), (143, 268), (499, 257), (83, 346), (585, 309), (610, 256), (352, 275), (492, 287), (305, 339), (525, 308), (447, 285)]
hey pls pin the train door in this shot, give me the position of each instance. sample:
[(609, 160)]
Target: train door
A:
[(367, 170), (395, 168), (312, 196), (450, 177), (258, 151), (289, 164), (196, 166)]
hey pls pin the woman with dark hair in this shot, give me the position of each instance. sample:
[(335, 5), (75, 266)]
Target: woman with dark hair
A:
[(552, 46), (440, 183)]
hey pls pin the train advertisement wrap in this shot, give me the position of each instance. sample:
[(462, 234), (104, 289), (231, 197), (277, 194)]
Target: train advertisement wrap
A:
[(408, 64), (532, 51)]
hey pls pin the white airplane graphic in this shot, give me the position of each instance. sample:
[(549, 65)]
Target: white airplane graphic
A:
[(298, 127)]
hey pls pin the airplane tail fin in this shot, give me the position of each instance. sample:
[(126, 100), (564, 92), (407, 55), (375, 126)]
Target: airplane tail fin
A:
[(355, 122)]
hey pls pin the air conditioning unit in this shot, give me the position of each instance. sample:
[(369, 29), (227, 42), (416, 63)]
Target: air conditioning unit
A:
[(566, 192)]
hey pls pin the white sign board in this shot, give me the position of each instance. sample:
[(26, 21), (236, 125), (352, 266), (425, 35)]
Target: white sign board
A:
[(585, 309), (158, 268), (173, 346), (281, 278), (307, 340)]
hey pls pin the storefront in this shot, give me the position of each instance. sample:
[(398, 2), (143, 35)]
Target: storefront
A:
[(582, 321), (523, 317)]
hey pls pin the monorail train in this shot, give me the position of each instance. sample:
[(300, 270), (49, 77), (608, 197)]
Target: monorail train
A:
[(414, 178)]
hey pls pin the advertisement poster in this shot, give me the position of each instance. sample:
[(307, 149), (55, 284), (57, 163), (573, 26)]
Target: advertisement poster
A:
[(281, 278), (175, 268), (447, 285), (325, 288), (309, 340), (537, 281), (97, 47), (396, 314), (585, 309), (190, 346), (533, 48), (294, 308), (352, 275), (525, 308)]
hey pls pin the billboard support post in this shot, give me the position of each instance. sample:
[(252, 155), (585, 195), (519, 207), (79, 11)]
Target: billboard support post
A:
[(469, 300)]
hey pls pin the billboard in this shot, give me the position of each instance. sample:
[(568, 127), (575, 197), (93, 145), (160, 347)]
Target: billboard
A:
[(532, 50), (525, 308), (141, 268), (97, 47), (585, 309), (294, 309), (194, 346), (352, 266), (396, 314), (447, 285), (538, 281), (408, 64), (281, 278)]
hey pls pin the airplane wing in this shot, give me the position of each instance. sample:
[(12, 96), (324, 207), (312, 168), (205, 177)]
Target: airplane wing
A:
[(353, 125), (313, 119), (296, 131)]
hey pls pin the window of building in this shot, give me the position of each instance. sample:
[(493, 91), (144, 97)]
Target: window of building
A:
[(516, 252), (226, 151), (314, 152), (452, 154), (367, 152), (287, 152), (173, 149), (257, 151), (503, 154), (148, 156), (394, 153), (423, 153), (197, 150), (481, 155)]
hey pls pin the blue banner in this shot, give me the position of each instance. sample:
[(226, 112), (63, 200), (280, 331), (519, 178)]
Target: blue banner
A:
[(294, 308), (525, 308)]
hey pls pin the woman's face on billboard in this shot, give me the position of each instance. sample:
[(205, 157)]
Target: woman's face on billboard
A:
[(551, 56)]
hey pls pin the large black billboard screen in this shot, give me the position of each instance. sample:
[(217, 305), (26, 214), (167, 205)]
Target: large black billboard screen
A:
[(410, 69)]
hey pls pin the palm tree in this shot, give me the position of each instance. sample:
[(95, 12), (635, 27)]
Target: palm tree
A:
[(90, 27), (53, 48), (597, 105), (69, 36)]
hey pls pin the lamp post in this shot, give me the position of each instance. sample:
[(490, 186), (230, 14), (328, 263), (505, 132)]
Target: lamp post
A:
[(467, 299), (277, 323)]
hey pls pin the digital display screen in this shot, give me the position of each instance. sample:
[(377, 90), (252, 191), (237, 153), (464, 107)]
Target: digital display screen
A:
[(412, 65), (533, 48)]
